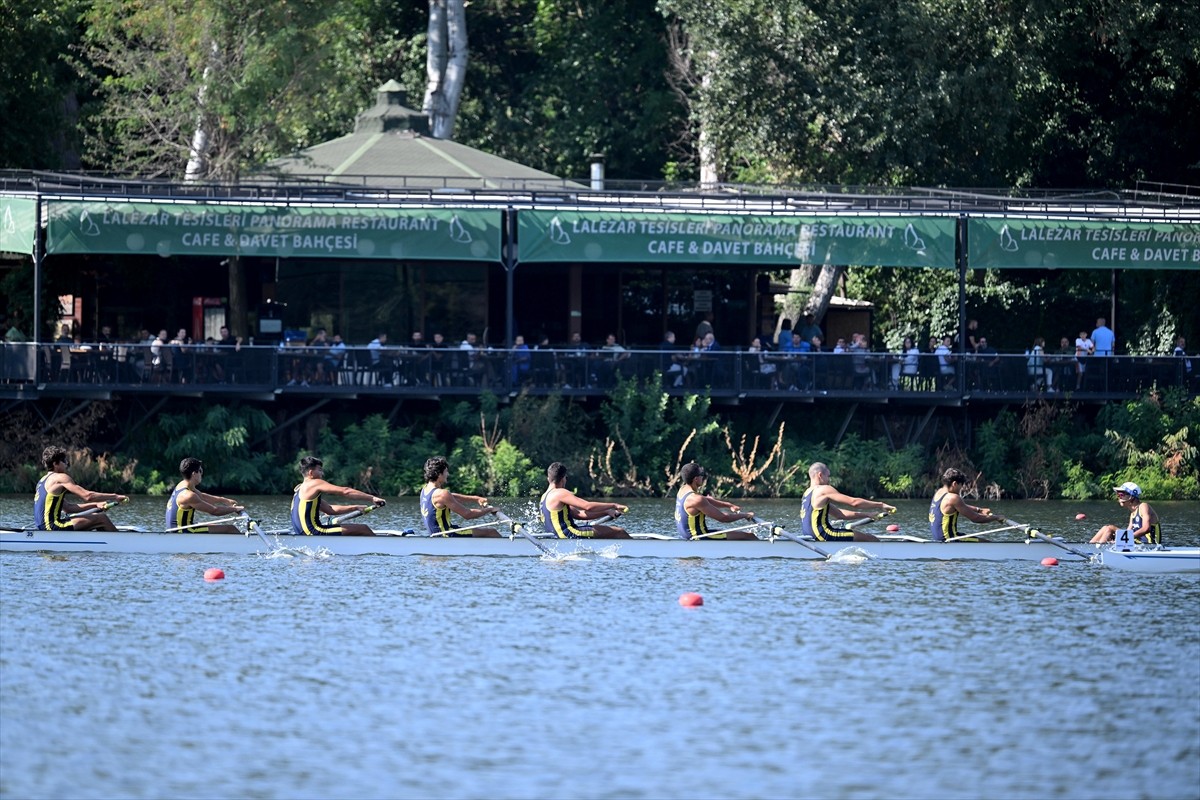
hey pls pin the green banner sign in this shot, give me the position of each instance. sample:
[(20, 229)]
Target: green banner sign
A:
[(18, 224), (213, 229), (735, 239), (1027, 243)]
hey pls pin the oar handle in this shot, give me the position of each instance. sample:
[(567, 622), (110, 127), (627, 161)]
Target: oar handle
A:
[(352, 515), (105, 506)]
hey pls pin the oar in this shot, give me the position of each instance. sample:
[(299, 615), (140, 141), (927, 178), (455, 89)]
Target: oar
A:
[(351, 515), (105, 507), (253, 526), (849, 526), (754, 524), (206, 522), (477, 525), (518, 528), (778, 530), (607, 518), (1036, 534)]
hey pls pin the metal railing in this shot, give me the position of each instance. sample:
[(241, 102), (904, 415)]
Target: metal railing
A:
[(90, 367)]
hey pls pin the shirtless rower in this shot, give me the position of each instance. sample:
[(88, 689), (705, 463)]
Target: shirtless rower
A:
[(437, 502), (568, 516), (49, 504), (308, 503), (187, 499), (818, 507), (692, 509)]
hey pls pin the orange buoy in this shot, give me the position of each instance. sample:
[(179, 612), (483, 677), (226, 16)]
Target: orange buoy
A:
[(893, 528), (1049, 561), (214, 574), (690, 599), (1081, 516)]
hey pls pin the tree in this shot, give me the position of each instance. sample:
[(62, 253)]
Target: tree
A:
[(38, 95), (446, 65)]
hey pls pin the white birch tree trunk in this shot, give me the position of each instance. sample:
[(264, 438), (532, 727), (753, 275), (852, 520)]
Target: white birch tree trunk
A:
[(707, 150), (197, 166), (445, 65), (823, 289)]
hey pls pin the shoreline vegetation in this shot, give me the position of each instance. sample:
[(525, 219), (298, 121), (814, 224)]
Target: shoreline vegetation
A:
[(634, 447)]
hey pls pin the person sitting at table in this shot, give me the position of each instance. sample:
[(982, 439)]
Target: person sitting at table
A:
[(381, 364), (615, 354), (987, 365), (308, 503), (416, 361), (669, 363), (570, 517), (50, 508), (905, 364), (1065, 364), (578, 357), (334, 357), (314, 360), (519, 361), (186, 499), (437, 360), (437, 502), (946, 369)]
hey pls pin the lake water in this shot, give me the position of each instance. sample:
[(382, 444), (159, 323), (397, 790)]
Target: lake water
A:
[(130, 676)]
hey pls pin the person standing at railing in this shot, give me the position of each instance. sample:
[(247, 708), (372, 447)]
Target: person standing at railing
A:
[(1185, 371), (906, 363), (1084, 348), (49, 501), (187, 499), (1103, 339), (1040, 375)]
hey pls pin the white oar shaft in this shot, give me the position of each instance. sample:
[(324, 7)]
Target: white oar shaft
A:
[(730, 530), (778, 530), (476, 526), (1043, 537), (205, 523)]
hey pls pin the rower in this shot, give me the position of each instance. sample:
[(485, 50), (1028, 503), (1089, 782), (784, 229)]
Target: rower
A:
[(308, 503), (569, 517), (817, 508), (693, 509), (437, 502), (946, 506), (50, 507), (187, 499), (1143, 521)]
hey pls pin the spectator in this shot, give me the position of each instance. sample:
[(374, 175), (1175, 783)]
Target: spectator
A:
[(705, 325), (809, 329), (1180, 351), (1084, 347), (669, 363), (437, 360), (946, 360), (1040, 376), (759, 366), (520, 361), (612, 363), (417, 362), (906, 364), (784, 337), (335, 357), (974, 335), (988, 363), (1065, 363), (380, 363), (1103, 339)]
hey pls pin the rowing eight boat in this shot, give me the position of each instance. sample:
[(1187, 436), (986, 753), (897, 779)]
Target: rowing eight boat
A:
[(401, 544)]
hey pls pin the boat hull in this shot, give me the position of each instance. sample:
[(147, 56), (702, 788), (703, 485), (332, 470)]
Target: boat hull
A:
[(418, 545), (1154, 561)]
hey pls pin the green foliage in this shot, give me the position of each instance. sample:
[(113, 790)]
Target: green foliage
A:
[(218, 435), (501, 470), (374, 457), (650, 428)]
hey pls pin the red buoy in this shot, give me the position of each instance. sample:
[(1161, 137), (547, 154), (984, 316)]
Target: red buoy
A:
[(214, 574), (1049, 561), (690, 599), (893, 528), (1081, 516)]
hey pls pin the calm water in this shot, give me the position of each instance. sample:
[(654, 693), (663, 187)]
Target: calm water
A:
[(129, 676)]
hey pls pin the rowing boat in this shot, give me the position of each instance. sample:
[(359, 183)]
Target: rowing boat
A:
[(402, 543), (1184, 559)]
